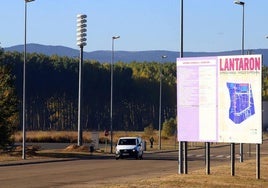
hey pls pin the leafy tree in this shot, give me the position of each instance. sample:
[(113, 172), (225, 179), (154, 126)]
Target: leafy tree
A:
[(169, 127), (8, 105)]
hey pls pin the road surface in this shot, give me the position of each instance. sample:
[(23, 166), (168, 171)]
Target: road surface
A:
[(101, 171)]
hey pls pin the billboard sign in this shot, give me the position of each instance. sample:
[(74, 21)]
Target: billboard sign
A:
[(219, 99)]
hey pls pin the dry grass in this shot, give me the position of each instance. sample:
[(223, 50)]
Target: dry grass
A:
[(76, 148), (16, 153), (71, 137), (220, 176), (8, 157), (51, 136)]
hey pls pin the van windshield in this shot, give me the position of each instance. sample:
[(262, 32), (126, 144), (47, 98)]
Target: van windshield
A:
[(127, 142)]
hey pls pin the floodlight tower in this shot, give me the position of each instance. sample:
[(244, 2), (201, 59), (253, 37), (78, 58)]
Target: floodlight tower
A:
[(81, 42)]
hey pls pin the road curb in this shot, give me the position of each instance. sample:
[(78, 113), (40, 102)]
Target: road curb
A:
[(34, 161)]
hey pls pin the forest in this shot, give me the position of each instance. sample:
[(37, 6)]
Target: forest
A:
[(52, 92)]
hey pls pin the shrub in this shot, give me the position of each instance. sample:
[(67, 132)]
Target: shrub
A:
[(149, 130), (169, 127)]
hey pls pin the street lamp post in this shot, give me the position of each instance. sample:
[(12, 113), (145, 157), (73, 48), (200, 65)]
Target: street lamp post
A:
[(24, 82), (243, 23), (160, 104), (180, 152), (242, 53), (111, 110)]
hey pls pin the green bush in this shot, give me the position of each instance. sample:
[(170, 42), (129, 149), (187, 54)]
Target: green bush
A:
[(169, 127)]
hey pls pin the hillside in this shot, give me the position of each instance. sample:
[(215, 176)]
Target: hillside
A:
[(126, 56)]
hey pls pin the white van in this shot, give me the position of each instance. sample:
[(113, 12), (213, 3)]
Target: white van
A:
[(129, 147)]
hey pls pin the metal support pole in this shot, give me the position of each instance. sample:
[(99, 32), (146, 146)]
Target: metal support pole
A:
[(180, 164), (24, 86), (185, 166), (207, 158), (80, 90), (24, 83), (242, 51), (181, 159), (181, 54), (160, 102), (111, 110), (241, 152), (258, 161), (243, 29), (232, 159), (81, 42), (160, 107)]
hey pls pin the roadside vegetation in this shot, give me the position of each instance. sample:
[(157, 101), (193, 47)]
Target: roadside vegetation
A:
[(71, 137), (220, 177), (167, 142)]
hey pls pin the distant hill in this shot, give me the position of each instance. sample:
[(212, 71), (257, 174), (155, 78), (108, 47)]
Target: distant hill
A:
[(126, 56)]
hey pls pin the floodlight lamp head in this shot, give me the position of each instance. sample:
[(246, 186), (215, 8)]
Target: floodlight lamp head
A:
[(28, 1), (81, 16), (81, 30), (239, 2), (116, 37)]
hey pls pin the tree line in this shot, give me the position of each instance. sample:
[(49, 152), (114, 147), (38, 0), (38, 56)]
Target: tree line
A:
[(52, 92)]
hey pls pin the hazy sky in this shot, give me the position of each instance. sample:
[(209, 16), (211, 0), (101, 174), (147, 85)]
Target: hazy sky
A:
[(209, 25)]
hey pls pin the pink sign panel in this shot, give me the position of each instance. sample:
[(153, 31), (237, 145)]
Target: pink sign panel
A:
[(219, 99)]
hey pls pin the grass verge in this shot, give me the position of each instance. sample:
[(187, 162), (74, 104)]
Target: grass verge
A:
[(220, 177)]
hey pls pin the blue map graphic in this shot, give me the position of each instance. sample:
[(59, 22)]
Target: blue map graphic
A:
[(241, 102)]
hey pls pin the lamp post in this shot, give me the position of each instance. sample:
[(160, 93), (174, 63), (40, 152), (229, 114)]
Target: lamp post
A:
[(24, 82), (81, 42), (111, 110), (242, 53), (160, 104), (243, 23), (180, 152)]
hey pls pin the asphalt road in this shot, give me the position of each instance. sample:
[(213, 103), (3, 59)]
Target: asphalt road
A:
[(103, 170)]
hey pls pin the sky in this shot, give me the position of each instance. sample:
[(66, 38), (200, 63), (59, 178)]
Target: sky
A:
[(209, 25)]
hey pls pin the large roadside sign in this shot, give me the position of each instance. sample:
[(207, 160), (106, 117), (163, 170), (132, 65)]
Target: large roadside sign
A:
[(219, 99)]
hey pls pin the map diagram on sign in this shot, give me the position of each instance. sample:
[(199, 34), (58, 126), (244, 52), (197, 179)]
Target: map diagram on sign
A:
[(241, 102)]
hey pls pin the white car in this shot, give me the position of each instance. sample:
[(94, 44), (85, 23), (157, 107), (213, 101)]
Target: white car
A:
[(129, 147)]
